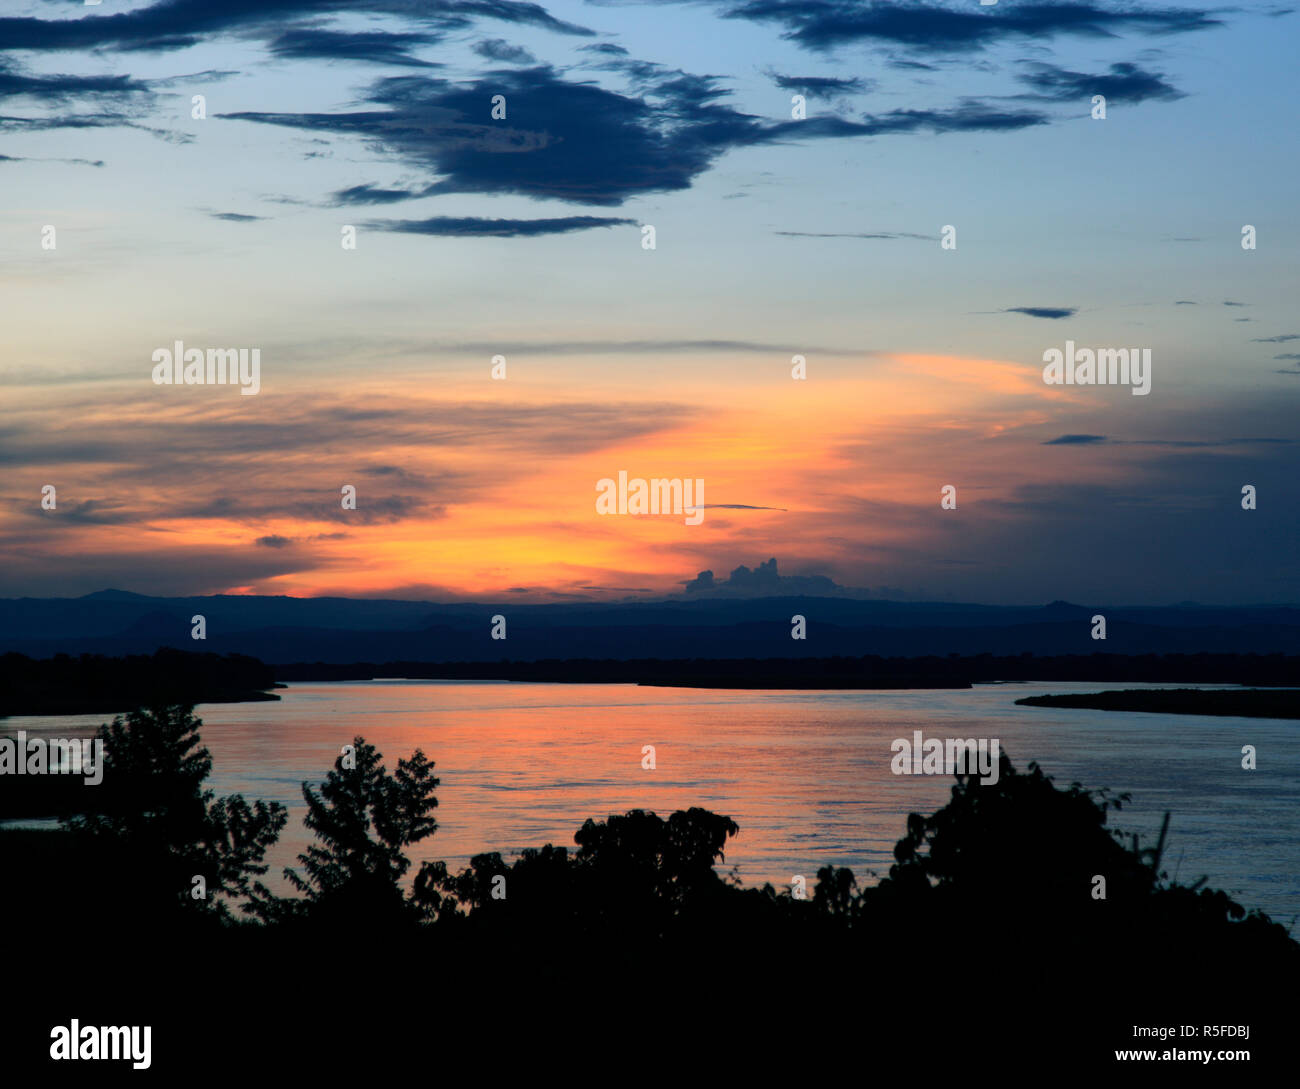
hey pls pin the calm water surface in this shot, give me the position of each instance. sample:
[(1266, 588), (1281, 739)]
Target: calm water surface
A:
[(805, 774)]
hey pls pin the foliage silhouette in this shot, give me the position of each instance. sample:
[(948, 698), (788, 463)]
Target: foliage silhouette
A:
[(363, 816), (153, 818), (988, 903), (1027, 851), (1011, 865)]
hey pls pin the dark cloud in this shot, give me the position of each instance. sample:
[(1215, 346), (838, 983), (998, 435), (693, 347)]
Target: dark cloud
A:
[(567, 141), (54, 89), (914, 65), (372, 194), (475, 227), (166, 44), (825, 24), (703, 581), (382, 510), (95, 512), (318, 504), (178, 24), (1288, 355), (376, 47), (1125, 83), (498, 49), (761, 581), (236, 217), (1227, 303), (609, 49), (274, 541), (1074, 440), (315, 505), (55, 121), (1276, 340), (1055, 313), (823, 87), (581, 143)]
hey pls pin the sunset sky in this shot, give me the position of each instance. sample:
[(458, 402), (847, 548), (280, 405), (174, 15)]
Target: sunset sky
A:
[(522, 237)]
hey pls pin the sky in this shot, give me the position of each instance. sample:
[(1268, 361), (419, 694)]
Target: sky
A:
[(525, 236)]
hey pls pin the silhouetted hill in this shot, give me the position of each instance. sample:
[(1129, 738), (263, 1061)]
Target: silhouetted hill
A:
[(340, 630)]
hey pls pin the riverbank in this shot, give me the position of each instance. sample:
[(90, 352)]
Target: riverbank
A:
[(1226, 702), (868, 672), (93, 684)]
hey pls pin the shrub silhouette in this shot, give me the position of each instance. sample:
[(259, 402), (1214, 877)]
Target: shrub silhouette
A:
[(1019, 859), (1015, 860), (1019, 841), (636, 872)]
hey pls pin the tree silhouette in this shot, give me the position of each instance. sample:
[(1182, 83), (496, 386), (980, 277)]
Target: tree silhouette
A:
[(362, 817), (669, 862), (152, 816)]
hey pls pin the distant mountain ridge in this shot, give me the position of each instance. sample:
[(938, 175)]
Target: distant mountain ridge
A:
[(335, 629)]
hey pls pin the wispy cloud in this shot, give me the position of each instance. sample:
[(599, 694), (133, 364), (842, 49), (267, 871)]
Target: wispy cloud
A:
[(828, 88), (501, 51), (57, 89), (857, 234), (474, 227), (651, 347)]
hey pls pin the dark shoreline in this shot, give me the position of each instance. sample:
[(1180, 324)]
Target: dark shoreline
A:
[(765, 684), (106, 705), (1231, 702), (93, 684), (868, 672)]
